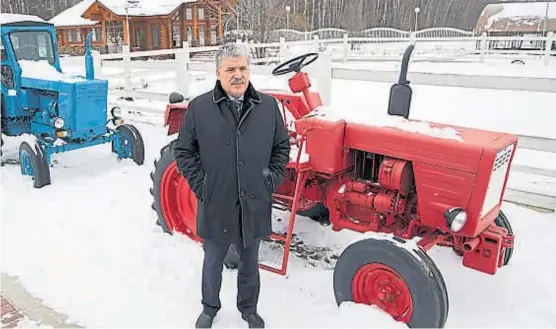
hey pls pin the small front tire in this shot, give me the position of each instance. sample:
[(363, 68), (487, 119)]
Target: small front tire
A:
[(402, 282), (32, 161), (128, 143)]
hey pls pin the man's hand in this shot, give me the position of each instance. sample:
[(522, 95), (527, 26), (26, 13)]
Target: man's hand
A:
[(186, 152), (280, 155)]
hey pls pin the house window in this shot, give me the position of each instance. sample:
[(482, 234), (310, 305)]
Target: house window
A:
[(97, 34), (156, 35), (201, 13), (115, 32), (176, 37), (188, 13), (74, 35)]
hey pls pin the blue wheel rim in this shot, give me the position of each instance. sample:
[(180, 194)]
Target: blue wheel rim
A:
[(26, 165)]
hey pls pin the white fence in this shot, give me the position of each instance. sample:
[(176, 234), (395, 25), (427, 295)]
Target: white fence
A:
[(322, 73)]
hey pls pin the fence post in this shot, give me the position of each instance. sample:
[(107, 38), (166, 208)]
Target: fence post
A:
[(282, 51), (316, 43), (324, 77), (97, 63), (182, 69), (548, 48), (484, 46), (126, 63), (346, 48)]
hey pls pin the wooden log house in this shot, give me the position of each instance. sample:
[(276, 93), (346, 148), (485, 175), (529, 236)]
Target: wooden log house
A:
[(142, 24)]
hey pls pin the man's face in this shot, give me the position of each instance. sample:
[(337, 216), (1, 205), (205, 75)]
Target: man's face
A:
[(233, 74)]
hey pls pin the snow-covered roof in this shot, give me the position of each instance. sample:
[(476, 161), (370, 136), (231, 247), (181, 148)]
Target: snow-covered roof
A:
[(7, 18), (72, 15), (143, 7), (506, 16)]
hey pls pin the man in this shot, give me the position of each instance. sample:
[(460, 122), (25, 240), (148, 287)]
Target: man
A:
[(233, 149)]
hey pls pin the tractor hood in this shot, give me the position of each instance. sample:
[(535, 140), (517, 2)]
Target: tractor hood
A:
[(42, 75), (447, 146)]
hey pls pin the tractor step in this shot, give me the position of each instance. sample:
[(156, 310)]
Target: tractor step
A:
[(287, 238)]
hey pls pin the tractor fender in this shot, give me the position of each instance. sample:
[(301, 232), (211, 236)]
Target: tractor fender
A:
[(173, 117)]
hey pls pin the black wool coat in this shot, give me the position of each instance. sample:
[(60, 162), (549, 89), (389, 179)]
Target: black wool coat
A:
[(233, 163)]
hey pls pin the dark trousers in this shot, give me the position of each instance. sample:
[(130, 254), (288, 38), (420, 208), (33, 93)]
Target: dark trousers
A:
[(248, 279)]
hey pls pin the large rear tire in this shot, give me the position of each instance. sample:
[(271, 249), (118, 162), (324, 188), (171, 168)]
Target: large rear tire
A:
[(174, 201), (176, 204), (404, 283)]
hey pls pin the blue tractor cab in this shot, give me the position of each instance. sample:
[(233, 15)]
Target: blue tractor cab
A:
[(52, 111)]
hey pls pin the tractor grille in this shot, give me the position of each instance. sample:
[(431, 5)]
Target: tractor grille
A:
[(496, 184), (90, 92)]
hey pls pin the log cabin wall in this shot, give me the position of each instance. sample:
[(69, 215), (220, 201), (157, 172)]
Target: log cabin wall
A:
[(198, 23)]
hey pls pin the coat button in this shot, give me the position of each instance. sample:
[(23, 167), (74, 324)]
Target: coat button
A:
[(253, 196), (242, 193), (227, 143), (241, 163)]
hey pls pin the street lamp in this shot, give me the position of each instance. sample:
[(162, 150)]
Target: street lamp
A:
[(287, 17), (417, 10)]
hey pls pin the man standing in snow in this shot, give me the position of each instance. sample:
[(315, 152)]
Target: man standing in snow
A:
[(233, 149)]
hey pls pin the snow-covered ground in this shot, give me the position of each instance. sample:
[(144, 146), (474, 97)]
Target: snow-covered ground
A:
[(89, 247)]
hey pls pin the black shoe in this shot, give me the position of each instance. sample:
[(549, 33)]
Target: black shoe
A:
[(204, 321), (254, 320)]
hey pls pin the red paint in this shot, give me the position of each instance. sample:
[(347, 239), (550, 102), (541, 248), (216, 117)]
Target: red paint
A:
[(411, 181), (379, 285), (178, 203)]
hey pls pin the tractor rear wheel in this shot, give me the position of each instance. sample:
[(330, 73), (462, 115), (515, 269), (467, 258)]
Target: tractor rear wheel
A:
[(129, 144), (175, 203), (502, 221), (402, 282), (32, 161)]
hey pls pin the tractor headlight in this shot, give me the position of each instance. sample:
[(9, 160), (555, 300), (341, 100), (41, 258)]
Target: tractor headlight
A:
[(116, 112), (59, 123), (456, 219)]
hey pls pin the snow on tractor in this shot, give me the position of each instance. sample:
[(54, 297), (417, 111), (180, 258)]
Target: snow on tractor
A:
[(54, 112), (405, 189)]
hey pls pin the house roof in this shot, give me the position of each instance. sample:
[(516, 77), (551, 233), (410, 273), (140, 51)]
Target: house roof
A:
[(143, 7), (72, 15), (516, 16)]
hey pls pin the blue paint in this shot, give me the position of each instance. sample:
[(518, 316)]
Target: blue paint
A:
[(33, 105), (89, 67)]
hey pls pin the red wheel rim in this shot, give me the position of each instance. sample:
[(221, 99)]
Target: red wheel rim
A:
[(378, 284), (178, 203)]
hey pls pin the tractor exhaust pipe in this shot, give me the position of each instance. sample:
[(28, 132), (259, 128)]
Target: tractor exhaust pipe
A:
[(89, 67), (400, 93)]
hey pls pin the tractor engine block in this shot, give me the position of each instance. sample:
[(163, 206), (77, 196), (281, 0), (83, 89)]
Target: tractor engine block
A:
[(378, 195)]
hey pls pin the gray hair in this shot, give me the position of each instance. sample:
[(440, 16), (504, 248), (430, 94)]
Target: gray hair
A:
[(232, 49)]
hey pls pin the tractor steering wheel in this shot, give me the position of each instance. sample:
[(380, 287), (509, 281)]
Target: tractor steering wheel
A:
[(294, 64)]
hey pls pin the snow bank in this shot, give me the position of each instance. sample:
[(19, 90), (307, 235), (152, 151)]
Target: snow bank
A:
[(43, 70), (371, 118), (105, 263)]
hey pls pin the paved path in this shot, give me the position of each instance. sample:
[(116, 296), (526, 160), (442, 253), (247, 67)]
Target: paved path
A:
[(18, 304)]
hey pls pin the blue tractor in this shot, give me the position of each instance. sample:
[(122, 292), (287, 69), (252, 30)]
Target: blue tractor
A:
[(52, 111)]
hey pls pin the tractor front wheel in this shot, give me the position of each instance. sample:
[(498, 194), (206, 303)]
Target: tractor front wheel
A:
[(32, 161), (502, 221), (402, 281), (128, 143)]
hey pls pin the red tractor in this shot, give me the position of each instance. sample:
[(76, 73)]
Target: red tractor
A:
[(406, 191)]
